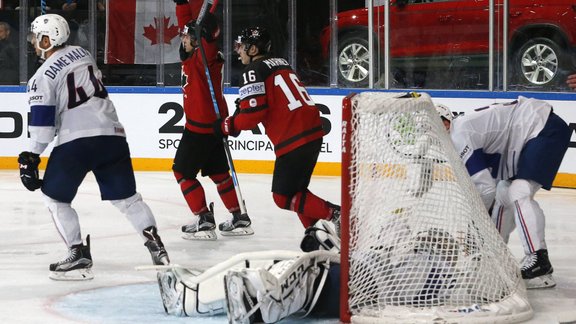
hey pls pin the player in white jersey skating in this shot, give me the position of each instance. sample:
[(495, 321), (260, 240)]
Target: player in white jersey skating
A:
[(70, 106), (511, 150)]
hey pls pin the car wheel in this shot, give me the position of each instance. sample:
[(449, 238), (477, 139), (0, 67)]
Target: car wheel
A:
[(353, 60), (538, 62)]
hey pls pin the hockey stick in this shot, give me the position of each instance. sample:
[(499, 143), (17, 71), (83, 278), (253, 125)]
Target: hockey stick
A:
[(229, 263), (215, 103)]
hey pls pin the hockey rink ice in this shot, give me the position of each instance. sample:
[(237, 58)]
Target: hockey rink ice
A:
[(29, 242)]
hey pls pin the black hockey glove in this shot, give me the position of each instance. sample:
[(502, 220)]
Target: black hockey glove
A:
[(178, 2), (29, 170), (209, 27)]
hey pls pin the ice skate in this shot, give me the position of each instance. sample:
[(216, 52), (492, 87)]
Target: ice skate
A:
[(155, 246), (203, 228), (320, 236), (239, 225), (537, 270), (77, 266)]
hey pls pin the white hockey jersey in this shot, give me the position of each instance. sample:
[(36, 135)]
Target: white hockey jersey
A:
[(68, 100), (491, 138)]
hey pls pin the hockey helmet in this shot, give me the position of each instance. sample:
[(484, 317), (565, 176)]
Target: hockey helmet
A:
[(54, 26), (444, 112), (256, 36)]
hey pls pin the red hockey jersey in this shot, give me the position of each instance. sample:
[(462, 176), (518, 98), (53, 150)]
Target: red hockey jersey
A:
[(273, 95), (198, 104)]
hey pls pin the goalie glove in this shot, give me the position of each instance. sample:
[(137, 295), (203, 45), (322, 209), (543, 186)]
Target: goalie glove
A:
[(28, 165)]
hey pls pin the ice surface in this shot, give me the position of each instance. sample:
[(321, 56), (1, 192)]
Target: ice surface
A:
[(29, 242)]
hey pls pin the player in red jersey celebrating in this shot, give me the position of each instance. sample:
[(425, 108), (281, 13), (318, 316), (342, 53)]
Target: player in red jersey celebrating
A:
[(272, 94), (199, 150)]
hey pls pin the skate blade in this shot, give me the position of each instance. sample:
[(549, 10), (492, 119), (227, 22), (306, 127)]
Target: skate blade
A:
[(72, 275), (239, 231), (200, 236), (545, 281)]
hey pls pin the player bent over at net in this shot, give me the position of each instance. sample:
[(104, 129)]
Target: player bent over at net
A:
[(511, 150), (71, 107), (199, 150), (273, 95)]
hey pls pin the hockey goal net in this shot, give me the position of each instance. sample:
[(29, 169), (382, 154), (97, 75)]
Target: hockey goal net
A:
[(417, 242)]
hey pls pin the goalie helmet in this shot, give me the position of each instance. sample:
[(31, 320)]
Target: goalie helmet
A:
[(55, 27), (256, 36), (444, 112)]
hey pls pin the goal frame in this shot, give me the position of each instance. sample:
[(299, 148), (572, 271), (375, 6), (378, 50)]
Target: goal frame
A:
[(516, 301), (345, 315)]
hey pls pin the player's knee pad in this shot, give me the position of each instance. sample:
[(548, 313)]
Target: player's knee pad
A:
[(56, 207), (522, 189), (282, 201), (285, 288), (125, 204), (137, 211)]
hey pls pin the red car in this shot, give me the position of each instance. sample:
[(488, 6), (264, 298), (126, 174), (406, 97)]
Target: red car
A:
[(439, 34)]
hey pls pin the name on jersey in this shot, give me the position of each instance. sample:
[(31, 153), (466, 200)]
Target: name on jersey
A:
[(275, 61), (64, 61), (252, 89)]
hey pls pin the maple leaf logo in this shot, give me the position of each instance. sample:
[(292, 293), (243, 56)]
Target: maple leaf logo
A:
[(150, 31)]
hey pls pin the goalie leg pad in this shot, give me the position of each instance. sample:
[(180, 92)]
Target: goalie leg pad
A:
[(286, 288), (171, 293), (180, 298), (241, 306)]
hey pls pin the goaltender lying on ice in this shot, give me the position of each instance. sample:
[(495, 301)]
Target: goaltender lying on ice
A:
[(260, 286)]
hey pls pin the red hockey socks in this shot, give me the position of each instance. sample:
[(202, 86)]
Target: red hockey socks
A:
[(193, 193), (308, 206), (225, 187)]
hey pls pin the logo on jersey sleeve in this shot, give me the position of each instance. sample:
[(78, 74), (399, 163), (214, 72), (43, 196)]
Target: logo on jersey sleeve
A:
[(252, 89), (35, 99)]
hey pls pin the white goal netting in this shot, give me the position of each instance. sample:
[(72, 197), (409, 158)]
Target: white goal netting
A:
[(421, 244)]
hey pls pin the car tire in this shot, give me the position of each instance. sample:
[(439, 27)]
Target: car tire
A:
[(353, 60), (538, 64)]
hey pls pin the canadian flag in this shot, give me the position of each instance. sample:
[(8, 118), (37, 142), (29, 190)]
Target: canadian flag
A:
[(134, 31)]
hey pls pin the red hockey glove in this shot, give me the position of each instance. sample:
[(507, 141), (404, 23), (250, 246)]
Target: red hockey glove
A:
[(28, 163), (225, 127)]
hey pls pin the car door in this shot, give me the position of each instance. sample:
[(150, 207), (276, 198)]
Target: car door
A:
[(421, 28)]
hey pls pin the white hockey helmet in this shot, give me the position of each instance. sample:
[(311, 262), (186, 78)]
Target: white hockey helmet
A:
[(54, 26), (444, 112)]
